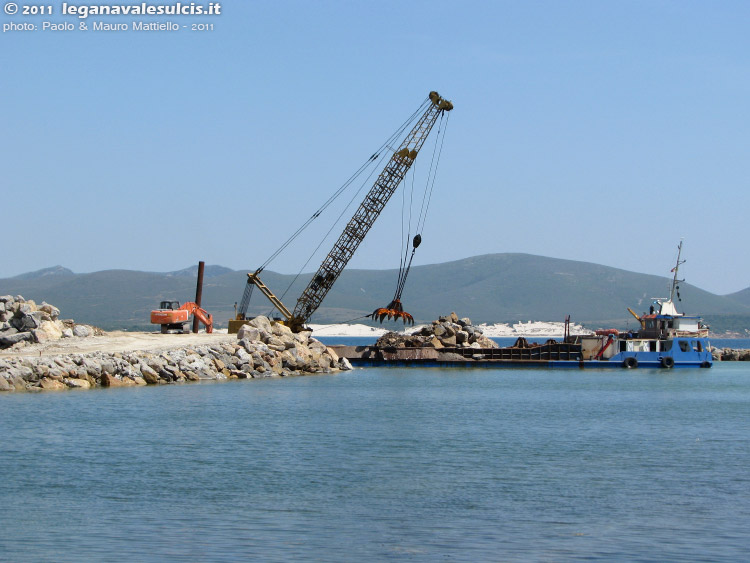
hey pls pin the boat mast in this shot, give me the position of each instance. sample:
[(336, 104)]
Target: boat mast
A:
[(675, 281)]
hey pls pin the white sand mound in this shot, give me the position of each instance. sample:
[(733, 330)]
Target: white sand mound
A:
[(497, 330)]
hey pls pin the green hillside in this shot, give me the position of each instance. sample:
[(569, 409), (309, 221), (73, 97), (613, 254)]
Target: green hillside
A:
[(741, 296), (489, 288)]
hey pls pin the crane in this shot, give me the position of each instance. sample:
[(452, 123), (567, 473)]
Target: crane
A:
[(637, 317), (356, 229)]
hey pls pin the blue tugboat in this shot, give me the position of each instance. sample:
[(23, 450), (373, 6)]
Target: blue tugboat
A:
[(666, 338)]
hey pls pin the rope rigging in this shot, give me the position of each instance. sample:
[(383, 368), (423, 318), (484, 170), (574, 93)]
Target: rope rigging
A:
[(333, 226), (342, 188), (395, 309)]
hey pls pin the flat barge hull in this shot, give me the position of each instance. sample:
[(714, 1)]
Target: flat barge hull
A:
[(556, 355)]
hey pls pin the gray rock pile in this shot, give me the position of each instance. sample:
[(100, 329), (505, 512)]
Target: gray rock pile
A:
[(274, 342), (263, 349), (23, 322), (446, 332), (730, 355)]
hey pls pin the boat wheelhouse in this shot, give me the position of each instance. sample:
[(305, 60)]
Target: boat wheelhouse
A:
[(666, 338)]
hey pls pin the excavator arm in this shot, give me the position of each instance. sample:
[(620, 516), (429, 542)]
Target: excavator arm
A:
[(201, 314)]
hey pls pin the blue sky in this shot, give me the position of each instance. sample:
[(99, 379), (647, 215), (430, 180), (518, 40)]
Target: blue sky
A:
[(594, 131)]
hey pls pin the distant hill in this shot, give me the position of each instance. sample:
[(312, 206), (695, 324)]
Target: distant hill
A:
[(56, 271), (208, 272), (489, 288), (741, 296)]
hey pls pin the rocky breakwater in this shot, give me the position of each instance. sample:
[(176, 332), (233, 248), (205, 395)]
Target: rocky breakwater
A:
[(730, 355), (262, 349), (446, 332), (23, 322)]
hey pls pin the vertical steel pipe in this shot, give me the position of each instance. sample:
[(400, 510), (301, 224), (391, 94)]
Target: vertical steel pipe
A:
[(198, 293)]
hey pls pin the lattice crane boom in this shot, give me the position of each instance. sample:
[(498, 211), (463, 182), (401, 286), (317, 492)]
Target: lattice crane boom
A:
[(364, 217), (368, 211)]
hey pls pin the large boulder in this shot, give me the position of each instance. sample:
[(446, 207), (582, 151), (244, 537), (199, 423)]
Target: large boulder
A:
[(6, 341), (276, 343), (48, 330), (261, 323), (27, 322), (249, 332), (51, 310), (449, 341), (83, 331), (149, 374), (52, 385), (112, 381), (25, 308), (281, 330)]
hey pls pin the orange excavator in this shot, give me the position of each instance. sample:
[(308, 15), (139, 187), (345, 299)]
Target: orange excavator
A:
[(171, 316)]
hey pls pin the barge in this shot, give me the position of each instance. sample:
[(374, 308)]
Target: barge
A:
[(666, 339)]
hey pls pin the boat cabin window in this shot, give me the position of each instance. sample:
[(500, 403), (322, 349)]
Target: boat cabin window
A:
[(670, 324), (623, 345), (650, 323), (697, 346), (684, 345), (666, 345), (652, 346)]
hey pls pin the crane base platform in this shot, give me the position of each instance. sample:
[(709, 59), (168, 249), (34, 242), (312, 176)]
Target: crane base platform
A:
[(234, 325)]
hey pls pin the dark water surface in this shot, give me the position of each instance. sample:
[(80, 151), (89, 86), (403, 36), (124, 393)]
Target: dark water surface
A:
[(384, 464)]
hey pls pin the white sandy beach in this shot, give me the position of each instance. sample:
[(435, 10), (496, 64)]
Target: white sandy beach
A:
[(527, 329)]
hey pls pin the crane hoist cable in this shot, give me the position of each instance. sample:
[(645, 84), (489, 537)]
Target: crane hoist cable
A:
[(395, 309)]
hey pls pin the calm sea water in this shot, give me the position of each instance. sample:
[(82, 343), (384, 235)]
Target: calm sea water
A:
[(385, 464)]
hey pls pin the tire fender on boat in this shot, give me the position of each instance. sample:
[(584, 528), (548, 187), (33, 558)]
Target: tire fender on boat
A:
[(630, 362), (667, 362)]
